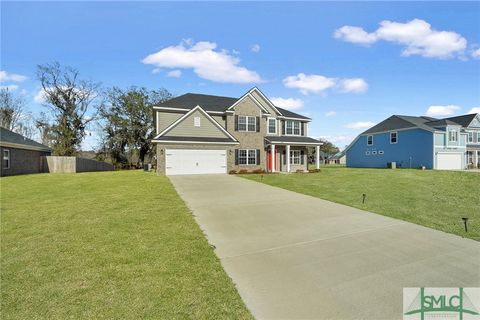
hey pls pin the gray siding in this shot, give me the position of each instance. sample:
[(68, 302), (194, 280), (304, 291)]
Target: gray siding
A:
[(23, 161), (164, 119)]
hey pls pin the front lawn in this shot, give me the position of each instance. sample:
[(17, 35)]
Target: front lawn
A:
[(109, 245), (436, 199)]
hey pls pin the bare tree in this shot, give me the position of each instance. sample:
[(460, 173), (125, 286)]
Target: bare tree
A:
[(11, 110), (70, 100)]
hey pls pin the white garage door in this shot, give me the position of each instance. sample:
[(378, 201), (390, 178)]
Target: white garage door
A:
[(186, 161), (449, 161)]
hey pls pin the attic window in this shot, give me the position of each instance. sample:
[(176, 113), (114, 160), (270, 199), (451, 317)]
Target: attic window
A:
[(196, 121), (453, 135)]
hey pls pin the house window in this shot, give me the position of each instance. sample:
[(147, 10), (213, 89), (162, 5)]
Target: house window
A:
[(393, 137), (295, 157), (247, 123), (247, 156), (272, 126), (380, 152), (478, 136), (374, 153), (452, 135), (292, 127), (196, 121), (369, 140), (470, 137), (6, 159)]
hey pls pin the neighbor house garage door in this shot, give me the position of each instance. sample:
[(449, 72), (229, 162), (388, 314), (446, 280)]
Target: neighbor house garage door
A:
[(186, 161), (449, 161)]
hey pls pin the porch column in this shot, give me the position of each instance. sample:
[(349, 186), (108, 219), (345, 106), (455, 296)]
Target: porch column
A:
[(273, 161), (317, 156), (287, 154), (476, 160)]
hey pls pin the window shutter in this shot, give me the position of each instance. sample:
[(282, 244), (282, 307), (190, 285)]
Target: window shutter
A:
[(302, 126), (236, 123), (258, 124), (302, 156), (236, 157), (258, 156), (284, 157)]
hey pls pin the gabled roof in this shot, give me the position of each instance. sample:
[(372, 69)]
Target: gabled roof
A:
[(464, 120), (212, 103), (229, 137), (14, 140), (442, 122)]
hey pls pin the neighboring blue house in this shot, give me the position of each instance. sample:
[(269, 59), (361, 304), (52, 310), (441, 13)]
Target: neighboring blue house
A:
[(413, 142)]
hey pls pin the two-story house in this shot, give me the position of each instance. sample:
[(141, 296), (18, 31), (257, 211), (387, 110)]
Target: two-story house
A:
[(201, 134), (412, 142)]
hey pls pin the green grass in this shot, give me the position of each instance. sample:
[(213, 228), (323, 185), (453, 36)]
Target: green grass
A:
[(436, 199), (110, 245)]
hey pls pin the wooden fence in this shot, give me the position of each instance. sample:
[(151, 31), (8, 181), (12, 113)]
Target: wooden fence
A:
[(56, 164)]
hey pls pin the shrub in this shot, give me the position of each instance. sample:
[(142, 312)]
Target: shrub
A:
[(314, 170), (243, 171), (258, 171), (300, 171), (232, 172)]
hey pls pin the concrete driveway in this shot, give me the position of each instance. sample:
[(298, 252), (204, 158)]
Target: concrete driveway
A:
[(293, 256)]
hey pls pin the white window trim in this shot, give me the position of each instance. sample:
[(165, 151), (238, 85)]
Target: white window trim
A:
[(246, 160), (293, 128), (381, 152), (396, 137), (369, 144), (374, 152), (450, 136), (292, 157), (246, 123), (470, 134), (268, 126), (6, 158), (196, 121)]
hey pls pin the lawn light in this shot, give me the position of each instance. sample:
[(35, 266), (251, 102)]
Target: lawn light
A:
[(465, 222), (364, 196)]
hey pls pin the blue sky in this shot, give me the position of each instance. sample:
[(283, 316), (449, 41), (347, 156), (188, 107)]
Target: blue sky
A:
[(346, 65)]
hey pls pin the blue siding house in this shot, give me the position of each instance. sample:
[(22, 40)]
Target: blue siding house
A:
[(414, 142)]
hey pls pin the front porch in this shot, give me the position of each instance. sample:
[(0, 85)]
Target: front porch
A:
[(297, 150), (473, 158)]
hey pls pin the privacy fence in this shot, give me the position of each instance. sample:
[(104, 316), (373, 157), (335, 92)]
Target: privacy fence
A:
[(56, 164)]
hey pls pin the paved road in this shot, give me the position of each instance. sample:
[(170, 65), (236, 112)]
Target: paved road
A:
[(297, 257)]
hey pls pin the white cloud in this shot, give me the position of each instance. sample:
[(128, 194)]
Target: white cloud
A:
[(474, 110), (309, 83), (339, 140), (206, 62), (355, 35), (418, 37), (39, 97), (5, 76), (255, 48), (287, 103), (476, 53), (439, 111), (330, 113), (360, 125), (357, 85), (315, 83), (10, 87), (156, 70), (174, 74)]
